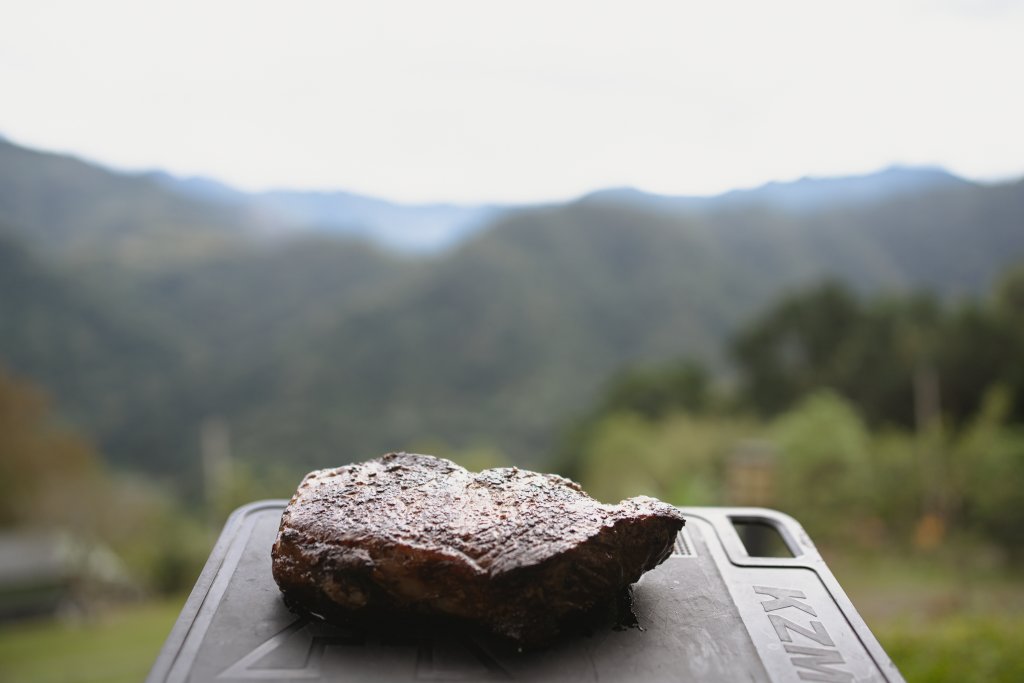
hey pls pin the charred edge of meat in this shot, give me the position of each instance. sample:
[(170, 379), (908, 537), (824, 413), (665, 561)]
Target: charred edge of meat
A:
[(341, 553), (528, 612)]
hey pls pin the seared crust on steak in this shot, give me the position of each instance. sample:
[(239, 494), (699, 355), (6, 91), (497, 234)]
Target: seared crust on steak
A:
[(413, 535)]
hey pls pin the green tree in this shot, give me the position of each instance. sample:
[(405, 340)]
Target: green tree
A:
[(796, 346), (901, 360), (681, 386), (49, 475), (987, 470), (824, 466), (679, 458)]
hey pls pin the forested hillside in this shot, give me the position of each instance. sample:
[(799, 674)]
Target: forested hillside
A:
[(146, 312), (111, 374), (82, 212)]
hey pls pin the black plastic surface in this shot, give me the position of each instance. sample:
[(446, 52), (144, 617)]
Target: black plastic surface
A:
[(709, 613)]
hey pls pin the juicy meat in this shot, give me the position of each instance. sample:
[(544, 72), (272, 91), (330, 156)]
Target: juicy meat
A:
[(518, 552)]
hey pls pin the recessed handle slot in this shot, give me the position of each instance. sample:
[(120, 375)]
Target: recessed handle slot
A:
[(761, 538)]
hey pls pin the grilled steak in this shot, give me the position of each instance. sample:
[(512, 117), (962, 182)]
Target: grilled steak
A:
[(517, 552)]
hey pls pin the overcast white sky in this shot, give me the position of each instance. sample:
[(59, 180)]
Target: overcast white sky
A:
[(517, 101)]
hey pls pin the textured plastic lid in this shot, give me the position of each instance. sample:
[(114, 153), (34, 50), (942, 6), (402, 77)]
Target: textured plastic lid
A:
[(711, 612)]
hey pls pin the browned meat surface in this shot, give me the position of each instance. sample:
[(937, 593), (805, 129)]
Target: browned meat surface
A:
[(413, 535)]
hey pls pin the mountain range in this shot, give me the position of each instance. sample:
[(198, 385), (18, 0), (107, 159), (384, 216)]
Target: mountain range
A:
[(198, 203), (147, 304), (410, 227), (429, 227)]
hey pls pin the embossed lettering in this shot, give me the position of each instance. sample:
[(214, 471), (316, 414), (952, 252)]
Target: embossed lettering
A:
[(784, 597), (818, 634), (818, 663)]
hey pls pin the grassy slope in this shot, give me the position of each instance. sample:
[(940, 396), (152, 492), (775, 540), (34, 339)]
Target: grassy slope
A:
[(939, 622), (119, 646)]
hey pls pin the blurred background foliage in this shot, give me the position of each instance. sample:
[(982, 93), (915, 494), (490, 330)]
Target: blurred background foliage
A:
[(167, 358)]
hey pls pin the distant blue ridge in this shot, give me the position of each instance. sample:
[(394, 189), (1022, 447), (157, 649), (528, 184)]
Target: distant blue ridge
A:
[(806, 194), (431, 227)]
